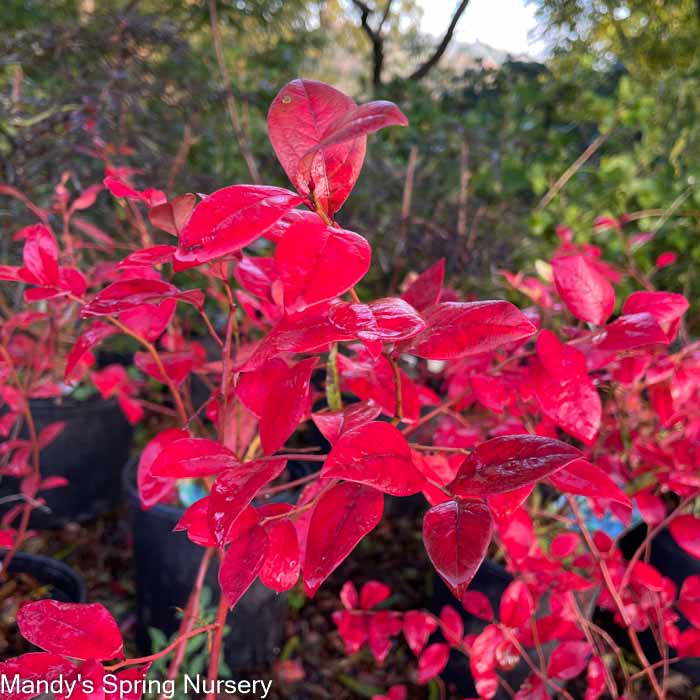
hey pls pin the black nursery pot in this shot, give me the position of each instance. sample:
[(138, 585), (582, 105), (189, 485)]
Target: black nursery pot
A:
[(63, 583), (90, 453), (166, 564)]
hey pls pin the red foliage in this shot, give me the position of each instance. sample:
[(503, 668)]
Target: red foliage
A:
[(493, 404)]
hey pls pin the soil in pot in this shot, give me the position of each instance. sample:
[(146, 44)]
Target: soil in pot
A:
[(166, 565), (32, 577), (90, 452)]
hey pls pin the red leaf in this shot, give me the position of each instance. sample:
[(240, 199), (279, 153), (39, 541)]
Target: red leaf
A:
[(128, 294), (334, 423), (196, 523), (585, 479), (152, 488), (452, 625), (685, 529), (666, 307), (477, 604), (30, 668), (355, 123), (280, 570), (229, 219), (386, 320), (568, 660), (510, 462), (303, 332), (417, 628), (373, 593), (147, 257), (278, 395), (689, 599), (516, 606), (382, 626), (149, 320), (426, 289), (40, 257), (173, 215), (595, 677), (456, 536), (242, 562), (564, 390), (363, 120), (97, 332), (375, 454), (564, 545), (586, 292), (632, 331), (317, 262), (458, 329), (189, 458), (299, 117), (341, 518), (235, 488), (76, 630), (257, 275), (177, 365), (432, 662)]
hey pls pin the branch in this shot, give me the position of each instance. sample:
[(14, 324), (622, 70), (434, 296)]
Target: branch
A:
[(423, 69), (375, 36)]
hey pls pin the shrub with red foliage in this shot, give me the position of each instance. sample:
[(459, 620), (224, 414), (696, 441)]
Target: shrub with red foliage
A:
[(565, 393)]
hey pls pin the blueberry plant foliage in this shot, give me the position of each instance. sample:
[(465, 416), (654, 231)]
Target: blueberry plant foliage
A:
[(470, 403)]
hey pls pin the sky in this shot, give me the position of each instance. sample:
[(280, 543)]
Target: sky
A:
[(503, 24)]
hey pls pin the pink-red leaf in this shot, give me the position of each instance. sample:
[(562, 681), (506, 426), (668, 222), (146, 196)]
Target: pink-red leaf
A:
[(97, 332), (278, 395), (509, 462), (432, 662), (28, 669), (153, 489), (299, 117), (417, 628), (280, 571), (341, 518), (190, 458), (586, 292), (229, 219), (456, 535), (458, 329), (685, 529), (235, 488), (334, 423), (568, 660), (585, 479), (632, 331), (242, 562), (317, 262), (666, 307), (477, 604), (375, 454), (426, 289), (76, 630)]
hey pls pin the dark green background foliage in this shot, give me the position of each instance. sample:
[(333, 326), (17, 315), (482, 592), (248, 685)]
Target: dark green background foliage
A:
[(489, 141)]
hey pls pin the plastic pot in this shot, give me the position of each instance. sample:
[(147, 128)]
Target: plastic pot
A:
[(90, 452), (166, 565), (57, 581), (64, 584)]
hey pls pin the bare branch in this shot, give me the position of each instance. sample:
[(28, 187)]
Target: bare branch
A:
[(425, 68), (375, 36)]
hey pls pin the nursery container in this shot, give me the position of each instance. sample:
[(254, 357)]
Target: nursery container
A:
[(57, 580), (90, 452), (166, 564)]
